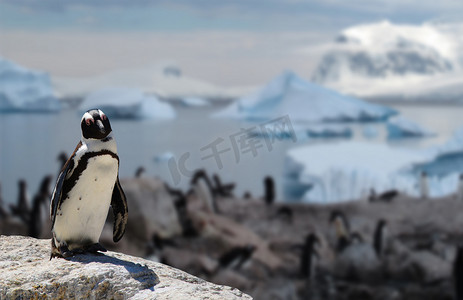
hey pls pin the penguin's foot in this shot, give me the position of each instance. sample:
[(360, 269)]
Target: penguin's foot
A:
[(94, 248)]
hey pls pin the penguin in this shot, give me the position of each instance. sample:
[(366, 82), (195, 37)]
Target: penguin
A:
[(224, 190), (3, 212), (87, 185), (236, 257), (458, 273), (269, 186), (140, 170), (309, 255), (424, 186), (62, 158), (460, 187), (342, 229), (22, 209), (388, 195), (40, 205), (380, 238), (285, 212), (203, 189)]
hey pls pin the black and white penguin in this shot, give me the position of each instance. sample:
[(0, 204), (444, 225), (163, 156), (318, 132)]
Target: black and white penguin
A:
[(3, 212), (342, 229), (22, 209), (269, 189), (458, 273), (236, 257), (309, 255), (204, 190), (224, 190), (40, 207), (87, 185), (380, 237)]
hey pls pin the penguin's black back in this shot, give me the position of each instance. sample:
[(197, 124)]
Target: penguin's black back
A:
[(458, 273)]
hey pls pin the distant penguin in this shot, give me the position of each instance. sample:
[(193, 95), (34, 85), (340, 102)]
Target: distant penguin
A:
[(62, 158), (380, 237), (236, 257), (247, 195), (424, 186), (460, 187), (341, 226), (140, 170), (309, 256), (40, 208), (203, 189), (22, 209), (180, 202), (285, 212), (87, 185), (224, 190), (269, 190), (458, 273), (388, 196), (3, 212)]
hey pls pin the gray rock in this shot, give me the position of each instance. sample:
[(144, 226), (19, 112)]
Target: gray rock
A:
[(27, 273)]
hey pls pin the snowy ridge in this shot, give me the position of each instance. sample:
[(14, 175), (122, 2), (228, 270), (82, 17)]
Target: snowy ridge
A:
[(25, 90), (400, 127), (396, 62)]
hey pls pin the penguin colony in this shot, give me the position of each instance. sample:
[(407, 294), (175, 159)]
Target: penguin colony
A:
[(322, 264)]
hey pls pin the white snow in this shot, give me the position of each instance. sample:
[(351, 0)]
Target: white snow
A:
[(401, 62), (25, 90), (347, 171), (303, 101), (400, 127), (129, 103)]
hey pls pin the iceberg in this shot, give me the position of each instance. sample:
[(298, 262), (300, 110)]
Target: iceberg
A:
[(302, 101), (128, 103), (194, 102), (400, 127), (349, 170), (24, 90)]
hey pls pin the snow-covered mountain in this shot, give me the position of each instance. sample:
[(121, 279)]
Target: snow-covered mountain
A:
[(22, 89), (390, 61)]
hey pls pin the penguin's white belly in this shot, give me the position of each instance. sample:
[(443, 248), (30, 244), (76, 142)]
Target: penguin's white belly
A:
[(81, 217)]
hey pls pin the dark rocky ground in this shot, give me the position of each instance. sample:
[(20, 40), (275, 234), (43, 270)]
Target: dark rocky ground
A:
[(258, 247)]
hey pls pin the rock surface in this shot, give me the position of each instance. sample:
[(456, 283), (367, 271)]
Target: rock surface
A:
[(27, 273)]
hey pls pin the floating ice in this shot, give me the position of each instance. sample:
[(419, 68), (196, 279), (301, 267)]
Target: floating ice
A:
[(302, 101), (194, 102), (24, 90), (128, 103), (400, 127), (347, 171)]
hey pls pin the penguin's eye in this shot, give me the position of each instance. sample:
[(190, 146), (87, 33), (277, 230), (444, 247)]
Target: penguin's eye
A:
[(89, 122)]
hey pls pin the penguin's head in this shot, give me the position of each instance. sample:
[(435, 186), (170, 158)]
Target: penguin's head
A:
[(95, 124)]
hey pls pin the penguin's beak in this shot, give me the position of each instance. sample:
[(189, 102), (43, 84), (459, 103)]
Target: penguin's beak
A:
[(101, 126)]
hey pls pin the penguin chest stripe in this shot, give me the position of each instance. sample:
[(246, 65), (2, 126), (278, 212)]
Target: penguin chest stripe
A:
[(103, 159)]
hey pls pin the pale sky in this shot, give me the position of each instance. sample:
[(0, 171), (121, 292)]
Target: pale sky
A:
[(239, 42)]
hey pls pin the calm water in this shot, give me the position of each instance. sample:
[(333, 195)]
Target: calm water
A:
[(30, 144)]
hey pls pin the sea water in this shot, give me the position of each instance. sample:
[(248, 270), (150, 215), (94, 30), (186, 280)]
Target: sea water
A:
[(172, 150)]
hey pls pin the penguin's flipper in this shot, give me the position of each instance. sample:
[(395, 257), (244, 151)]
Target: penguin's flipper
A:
[(56, 197), (120, 210)]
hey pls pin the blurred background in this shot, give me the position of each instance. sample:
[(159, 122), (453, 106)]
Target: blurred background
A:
[(263, 132)]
